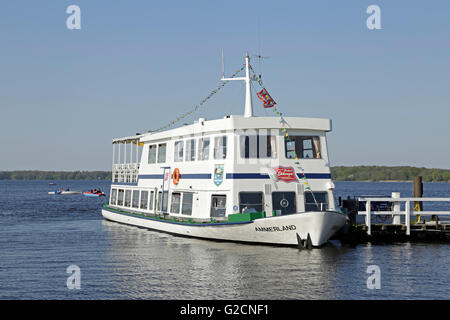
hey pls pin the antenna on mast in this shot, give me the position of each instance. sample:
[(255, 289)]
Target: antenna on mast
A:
[(259, 60), (259, 56)]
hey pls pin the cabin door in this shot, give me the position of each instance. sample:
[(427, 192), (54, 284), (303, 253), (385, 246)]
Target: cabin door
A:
[(283, 203)]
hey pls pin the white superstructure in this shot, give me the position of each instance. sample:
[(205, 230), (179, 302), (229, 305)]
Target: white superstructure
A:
[(237, 178)]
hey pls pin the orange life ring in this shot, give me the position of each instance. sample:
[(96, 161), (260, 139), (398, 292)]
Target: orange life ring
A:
[(176, 176)]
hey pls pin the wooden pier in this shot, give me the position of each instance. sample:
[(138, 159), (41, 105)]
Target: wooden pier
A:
[(401, 228), (388, 233)]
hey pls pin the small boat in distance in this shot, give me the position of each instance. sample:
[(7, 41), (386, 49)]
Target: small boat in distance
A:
[(94, 193), (63, 192)]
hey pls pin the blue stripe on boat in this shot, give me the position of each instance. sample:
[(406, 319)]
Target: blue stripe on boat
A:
[(195, 176), (126, 184), (315, 175), (231, 176), (247, 176), (150, 176)]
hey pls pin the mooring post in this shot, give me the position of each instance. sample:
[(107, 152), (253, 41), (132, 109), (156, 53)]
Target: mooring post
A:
[(408, 217), (396, 219), (368, 222), (418, 193)]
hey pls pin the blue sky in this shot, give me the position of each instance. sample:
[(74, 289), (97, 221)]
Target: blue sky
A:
[(136, 65)]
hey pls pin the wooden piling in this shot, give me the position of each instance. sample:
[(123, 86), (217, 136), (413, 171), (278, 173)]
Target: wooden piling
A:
[(418, 193)]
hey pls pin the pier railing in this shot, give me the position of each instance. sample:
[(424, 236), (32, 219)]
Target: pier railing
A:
[(396, 213)]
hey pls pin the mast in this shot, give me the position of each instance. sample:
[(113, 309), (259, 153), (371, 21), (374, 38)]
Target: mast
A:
[(248, 89), (248, 111)]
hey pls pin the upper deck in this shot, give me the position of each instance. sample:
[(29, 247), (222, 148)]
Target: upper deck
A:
[(246, 147)]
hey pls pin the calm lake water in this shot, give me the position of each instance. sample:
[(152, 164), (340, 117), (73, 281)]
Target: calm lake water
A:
[(42, 235)]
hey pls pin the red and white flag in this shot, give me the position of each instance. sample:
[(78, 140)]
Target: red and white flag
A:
[(266, 98)]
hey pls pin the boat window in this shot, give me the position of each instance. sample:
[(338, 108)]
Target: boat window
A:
[(113, 196), (162, 153), (144, 199), (152, 200), (165, 201), (311, 198), (250, 202), (135, 201), (283, 202), (175, 203), (127, 198), (162, 201), (159, 200), (303, 147), (190, 150), (152, 154), (120, 198), (258, 146), (218, 205), (220, 147), (203, 149), (187, 203), (178, 156)]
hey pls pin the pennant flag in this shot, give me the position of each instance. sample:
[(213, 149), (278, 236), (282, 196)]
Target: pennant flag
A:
[(266, 98), (211, 94)]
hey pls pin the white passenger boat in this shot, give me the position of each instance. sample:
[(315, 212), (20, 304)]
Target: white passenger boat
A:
[(241, 178)]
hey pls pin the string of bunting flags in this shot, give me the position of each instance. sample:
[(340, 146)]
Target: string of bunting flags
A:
[(184, 115), (269, 102)]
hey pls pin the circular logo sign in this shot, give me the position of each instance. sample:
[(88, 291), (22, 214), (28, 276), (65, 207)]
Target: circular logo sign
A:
[(284, 203)]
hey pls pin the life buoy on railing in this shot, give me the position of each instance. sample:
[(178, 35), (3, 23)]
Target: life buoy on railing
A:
[(176, 176)]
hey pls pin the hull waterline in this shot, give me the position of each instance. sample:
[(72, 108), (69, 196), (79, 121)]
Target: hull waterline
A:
[(279, 230)]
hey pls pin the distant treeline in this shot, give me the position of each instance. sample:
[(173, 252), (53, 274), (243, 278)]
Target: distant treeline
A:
[(382, 173), (340, 173), (55, 175)]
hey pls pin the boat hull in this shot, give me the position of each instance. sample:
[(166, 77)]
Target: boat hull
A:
[(279, 230), (87, 194), (64, 192)]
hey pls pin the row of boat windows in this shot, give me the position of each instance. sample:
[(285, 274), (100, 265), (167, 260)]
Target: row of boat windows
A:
[(186, 150), (251, 146), (181, 202), (283, 202), (146, 200)]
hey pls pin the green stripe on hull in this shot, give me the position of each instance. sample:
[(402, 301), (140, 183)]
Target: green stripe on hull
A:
[(246, 218)]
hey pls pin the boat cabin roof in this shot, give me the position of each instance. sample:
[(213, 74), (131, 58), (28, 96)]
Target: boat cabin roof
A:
[(129, 139), (238, 122)]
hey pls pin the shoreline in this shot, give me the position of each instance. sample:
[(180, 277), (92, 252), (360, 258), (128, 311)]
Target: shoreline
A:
[(338, 173), (94, 179)]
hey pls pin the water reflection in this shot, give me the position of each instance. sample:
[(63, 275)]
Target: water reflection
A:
[(43, 235), (146, 264), (165, 266)]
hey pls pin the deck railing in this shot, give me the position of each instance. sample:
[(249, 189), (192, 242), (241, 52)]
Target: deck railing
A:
[(125, 172), (397, 212)]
